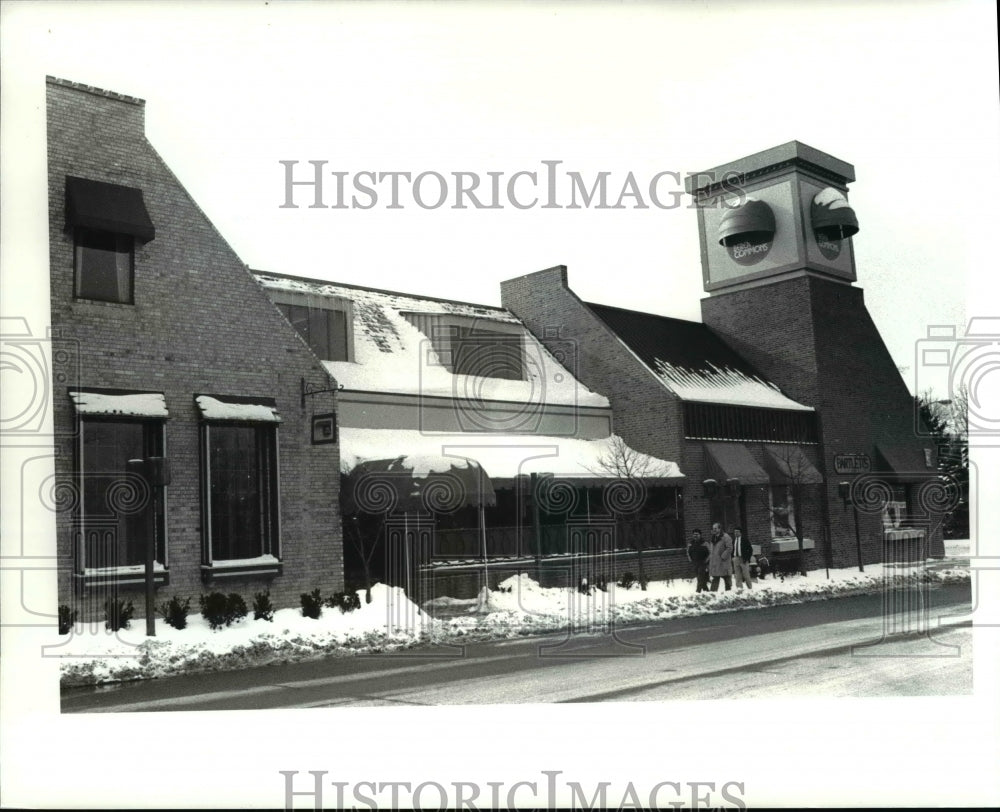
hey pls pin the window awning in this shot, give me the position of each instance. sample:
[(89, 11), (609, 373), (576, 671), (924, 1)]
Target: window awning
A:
[(110, 403), (788, 465), (108, 207), (238, 408), (733, 461), (905, 463), (504, 456)]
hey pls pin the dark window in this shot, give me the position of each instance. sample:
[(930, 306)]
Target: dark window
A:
[(242, 489), (487, 353), (325, 331), (104, 265), (117, 508), (709, 421)]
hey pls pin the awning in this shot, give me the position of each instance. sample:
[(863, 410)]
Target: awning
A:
[(238, 408), (107, 207), (407, 484), (788, 465), (118, 403), (905, 463), (733, 461), (506, 456)]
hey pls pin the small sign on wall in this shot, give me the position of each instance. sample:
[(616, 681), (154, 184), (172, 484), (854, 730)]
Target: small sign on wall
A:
[(852, 463), (324, 429)]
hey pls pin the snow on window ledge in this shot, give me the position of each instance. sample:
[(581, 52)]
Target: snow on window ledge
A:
[(133, 574), (242, 567), (784, 545)]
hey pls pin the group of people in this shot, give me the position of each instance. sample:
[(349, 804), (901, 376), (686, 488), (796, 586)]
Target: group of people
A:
[(724, 557)]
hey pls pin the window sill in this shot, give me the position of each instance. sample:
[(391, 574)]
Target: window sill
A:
[(266, 566), (791, 545), (122, 576)]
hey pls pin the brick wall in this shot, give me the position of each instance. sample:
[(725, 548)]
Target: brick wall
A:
[(200, 324), (645, 414), (817, 341)]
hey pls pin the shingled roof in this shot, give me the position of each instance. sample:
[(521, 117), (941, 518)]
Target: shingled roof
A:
[(691, 360)]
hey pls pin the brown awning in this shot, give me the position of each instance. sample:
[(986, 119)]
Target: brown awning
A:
[(905, 463), (788, 465), (107, 207), (733, 461)]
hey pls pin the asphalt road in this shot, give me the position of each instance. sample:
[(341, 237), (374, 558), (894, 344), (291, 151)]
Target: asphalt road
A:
[(839, 647)]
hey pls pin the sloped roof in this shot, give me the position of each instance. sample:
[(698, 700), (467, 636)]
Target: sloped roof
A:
[(392, 355), (692, 361)]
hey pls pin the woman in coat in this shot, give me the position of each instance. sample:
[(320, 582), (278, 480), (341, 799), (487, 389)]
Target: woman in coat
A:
[(720, 559)]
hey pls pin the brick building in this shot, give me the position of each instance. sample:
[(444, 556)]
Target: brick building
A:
[(424, 381), (784, 406), (174, 352)]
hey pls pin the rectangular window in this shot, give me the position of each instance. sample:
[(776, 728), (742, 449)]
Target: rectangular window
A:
[(241, 483), (782, 512), (487, 353), (116, 507), (325, 331), (104, 263)]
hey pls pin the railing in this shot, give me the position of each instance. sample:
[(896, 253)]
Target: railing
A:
[(561, 539)]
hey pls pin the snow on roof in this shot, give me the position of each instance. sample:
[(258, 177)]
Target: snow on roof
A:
[(393, 355), (724, 385), (501, 455), (139, 404), (215, 409)]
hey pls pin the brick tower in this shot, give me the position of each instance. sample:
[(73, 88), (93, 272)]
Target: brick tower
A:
[(778, 264)]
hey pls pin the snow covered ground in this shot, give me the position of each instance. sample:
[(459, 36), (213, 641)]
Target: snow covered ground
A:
[(391, 621)]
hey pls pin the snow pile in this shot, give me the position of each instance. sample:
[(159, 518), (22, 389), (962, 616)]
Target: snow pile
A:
[(519, 607), (95, 655), (730, 386)]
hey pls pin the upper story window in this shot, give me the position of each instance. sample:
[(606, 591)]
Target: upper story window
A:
[(104, 265), (325, 330), (107, 220), (472, 346)]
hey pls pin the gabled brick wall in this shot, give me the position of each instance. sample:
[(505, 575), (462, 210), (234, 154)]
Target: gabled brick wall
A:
[(200, 324), (646, 415), (816, 340)]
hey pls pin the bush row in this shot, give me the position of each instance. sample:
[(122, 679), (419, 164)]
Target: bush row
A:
[(217, 608)]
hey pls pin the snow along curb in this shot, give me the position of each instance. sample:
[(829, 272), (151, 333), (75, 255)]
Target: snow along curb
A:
[(154, 658)]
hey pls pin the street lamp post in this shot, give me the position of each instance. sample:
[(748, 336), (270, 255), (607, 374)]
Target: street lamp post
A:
[(844, 488)]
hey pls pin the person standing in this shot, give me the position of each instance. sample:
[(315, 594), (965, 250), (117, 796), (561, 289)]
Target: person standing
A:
[(698, 553), (742, 552), (720, 559)]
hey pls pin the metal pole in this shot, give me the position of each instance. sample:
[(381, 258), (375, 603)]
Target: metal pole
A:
[(150, 559), (857, 537), (536, 527)]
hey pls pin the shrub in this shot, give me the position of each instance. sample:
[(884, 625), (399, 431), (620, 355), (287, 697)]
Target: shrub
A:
[(117, 614), (626, 581), (345, 601), (263, 609), (236, 608), (222, 610), (312, 604), (67, 619), (175, 612)]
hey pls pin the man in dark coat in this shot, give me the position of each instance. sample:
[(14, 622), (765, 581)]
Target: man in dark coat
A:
[(698, 553)]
